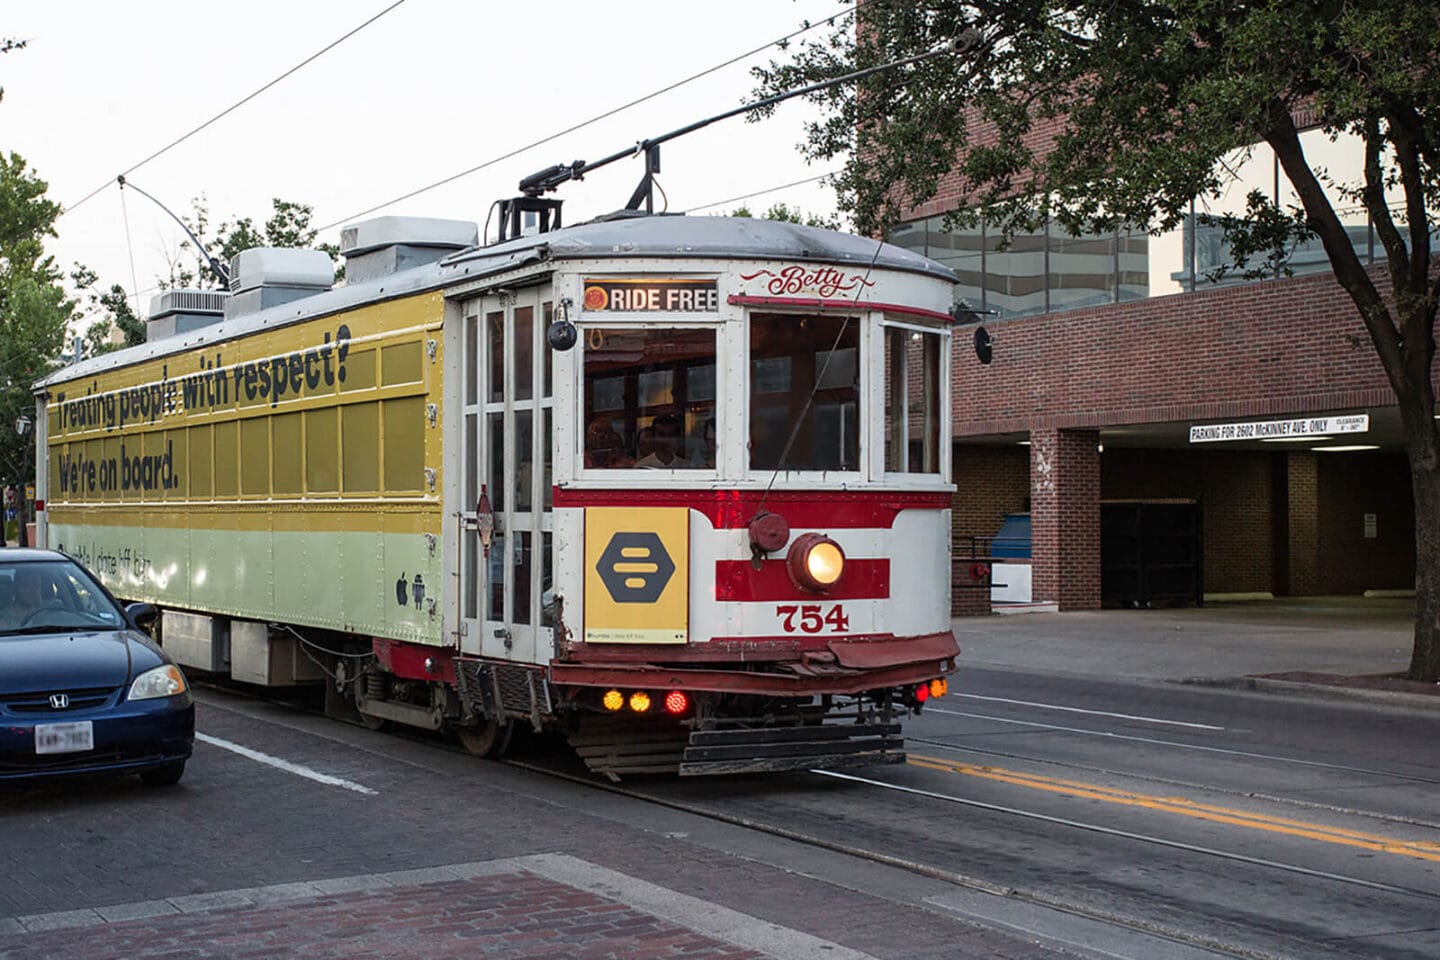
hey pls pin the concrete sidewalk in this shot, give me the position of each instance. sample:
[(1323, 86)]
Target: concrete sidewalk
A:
[(1351, 647)]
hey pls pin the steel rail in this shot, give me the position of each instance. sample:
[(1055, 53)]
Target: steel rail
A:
[(1222, 751), (1190, 784)]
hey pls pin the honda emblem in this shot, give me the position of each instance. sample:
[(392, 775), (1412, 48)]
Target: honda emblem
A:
[(59, 701)]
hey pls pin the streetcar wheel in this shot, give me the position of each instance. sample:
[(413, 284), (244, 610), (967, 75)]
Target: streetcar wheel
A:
[(372, 722), (491, 738)]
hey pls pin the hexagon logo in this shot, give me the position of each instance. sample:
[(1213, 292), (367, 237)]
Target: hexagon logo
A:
[(635, 568)]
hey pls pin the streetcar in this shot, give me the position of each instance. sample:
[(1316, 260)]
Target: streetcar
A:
[(675, 486)]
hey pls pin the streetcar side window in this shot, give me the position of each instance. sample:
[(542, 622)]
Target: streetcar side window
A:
[(649, 398), (912, 401), (804, 392)]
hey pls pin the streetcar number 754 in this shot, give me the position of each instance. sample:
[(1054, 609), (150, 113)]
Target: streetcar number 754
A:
[(812, 618)]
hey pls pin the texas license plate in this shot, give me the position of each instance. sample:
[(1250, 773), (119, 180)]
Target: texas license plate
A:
[(65, 737)]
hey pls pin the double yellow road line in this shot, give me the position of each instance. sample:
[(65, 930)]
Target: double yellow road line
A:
[(1419, 849)]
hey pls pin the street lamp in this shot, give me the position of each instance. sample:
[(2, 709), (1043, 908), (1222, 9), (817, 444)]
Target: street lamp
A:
[(23, 423)]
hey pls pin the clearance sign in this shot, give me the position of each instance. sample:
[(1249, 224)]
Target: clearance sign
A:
[(637, 575)]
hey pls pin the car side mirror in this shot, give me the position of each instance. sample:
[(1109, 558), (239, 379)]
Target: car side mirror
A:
[(143, 614)]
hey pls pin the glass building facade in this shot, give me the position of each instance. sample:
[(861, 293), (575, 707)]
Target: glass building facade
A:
[(1049, 271)]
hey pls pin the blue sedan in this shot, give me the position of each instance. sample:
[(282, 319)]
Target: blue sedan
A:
[(82, 688)]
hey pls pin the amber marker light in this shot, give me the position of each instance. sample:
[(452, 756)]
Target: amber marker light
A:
[(815, 562), (613, 700), (640, 701), (939, 687)]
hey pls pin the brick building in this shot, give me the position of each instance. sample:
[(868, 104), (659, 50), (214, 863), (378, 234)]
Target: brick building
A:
[(1108, 350)]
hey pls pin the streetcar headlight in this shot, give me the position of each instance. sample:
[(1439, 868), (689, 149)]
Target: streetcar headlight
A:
[(613, 700), (815, 562), (640, 701)]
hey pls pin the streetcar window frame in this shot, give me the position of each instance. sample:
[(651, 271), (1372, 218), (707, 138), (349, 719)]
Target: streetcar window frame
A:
[(639, 421), (898, 452), (762, 371)]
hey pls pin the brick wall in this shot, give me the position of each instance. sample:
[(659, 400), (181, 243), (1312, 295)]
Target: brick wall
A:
[(990, 481), (1065, 518), (1264, 349), (1233, 488), (1302, 526)]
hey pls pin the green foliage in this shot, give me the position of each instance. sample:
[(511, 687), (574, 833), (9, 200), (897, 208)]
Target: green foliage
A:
[(6, 45), (1106, 113), (110, 310), (1100, 115), (788, 214), (288, 226), (34, 310)]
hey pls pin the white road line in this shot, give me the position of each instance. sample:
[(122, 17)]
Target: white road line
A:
[(285, 765), (1094, 713)]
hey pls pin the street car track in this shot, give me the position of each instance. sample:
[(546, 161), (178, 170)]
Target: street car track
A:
[(1037, 898), (1180, 744), (1194, 785), (919, 868)]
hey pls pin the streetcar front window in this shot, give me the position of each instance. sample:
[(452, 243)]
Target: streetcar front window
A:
[(649, 398), (805, 411), (912, 400)]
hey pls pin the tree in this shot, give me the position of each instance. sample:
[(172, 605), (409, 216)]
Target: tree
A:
[(114, 313), (785, 213), (288, 226), (1100, 115), (6, 45), (110, 310), (34, 310)]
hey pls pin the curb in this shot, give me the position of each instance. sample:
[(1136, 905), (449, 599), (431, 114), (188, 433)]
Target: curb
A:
[(1319, 691)]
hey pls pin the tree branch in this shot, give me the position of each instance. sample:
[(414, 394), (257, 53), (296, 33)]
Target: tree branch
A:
[(1349, 271)]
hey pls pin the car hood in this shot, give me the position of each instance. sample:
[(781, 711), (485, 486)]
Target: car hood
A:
[(71, 661)]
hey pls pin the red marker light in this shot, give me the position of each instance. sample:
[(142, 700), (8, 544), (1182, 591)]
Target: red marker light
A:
[(922, 693), (676, 702)]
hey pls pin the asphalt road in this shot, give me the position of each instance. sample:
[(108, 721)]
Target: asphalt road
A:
[(1039, 816), (1240, 822)]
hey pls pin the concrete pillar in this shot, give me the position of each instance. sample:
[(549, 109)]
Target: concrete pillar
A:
[(1065, 518)]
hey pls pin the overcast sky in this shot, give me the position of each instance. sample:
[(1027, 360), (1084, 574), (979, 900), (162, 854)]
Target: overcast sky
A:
[(430, 89)]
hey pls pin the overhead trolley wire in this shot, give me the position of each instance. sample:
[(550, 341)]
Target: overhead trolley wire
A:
[(761, 193), (595, 119), (234, 106)]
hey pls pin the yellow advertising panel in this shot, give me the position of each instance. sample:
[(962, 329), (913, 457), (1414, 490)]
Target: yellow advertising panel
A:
[(329, 407), (637, 574)]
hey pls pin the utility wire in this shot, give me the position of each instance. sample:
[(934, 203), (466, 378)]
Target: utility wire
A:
[(239, 103), (593, 120), (761, 193)]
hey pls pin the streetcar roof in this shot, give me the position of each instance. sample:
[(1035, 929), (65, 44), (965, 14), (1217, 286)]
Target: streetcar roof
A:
[(707, 238), (628, 237)]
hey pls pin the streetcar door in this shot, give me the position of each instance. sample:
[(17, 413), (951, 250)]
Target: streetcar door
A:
[(507, 590)]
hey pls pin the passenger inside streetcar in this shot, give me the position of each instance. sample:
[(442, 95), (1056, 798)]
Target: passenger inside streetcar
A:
[(604, 447), (660, 449)]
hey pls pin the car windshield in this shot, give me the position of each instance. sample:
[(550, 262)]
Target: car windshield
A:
[(47, 595)]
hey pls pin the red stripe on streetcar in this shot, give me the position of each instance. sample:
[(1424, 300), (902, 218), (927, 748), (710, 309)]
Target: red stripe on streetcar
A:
[(733, 509), (738, 580), (736, 299)]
